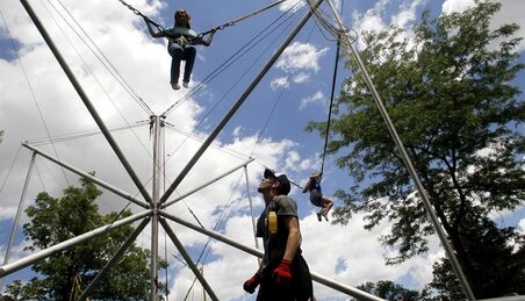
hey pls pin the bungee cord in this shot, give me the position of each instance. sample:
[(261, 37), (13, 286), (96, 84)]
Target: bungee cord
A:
[(220, 27), (53, 141), (226, 25), (233, 22), (91, 133), (97, 52), (138, 13), (234, 57), (326, 21), (334, 79), (33, 95), (110, 67), (251, 44)]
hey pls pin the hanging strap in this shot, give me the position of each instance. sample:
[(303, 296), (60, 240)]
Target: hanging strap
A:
[(334, 78), (138, 13), (231, 23)]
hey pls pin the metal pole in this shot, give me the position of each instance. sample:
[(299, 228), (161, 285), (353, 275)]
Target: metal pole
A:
[(87, 292), (157, 125), (236, 106), (213, 234), (254, 229), (18, 213), (26, 261), (87, 102), (86, 175), (408, 163), (352, 291), (206, 184), (188, 259)]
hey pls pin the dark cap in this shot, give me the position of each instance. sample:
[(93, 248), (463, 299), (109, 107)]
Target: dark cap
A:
[(284, 183)]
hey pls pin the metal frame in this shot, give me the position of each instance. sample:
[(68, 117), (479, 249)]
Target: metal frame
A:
[(155, 204)]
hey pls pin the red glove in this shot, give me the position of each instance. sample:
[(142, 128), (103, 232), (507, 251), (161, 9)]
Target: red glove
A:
[(282, 273), (251, 284)]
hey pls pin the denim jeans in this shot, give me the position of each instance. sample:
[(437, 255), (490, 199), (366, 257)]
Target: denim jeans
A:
[(179, 53)]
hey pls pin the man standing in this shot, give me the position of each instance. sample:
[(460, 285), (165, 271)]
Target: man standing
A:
[(283, 274)]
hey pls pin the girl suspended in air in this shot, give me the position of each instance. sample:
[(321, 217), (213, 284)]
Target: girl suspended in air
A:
[(316, 195), (181, 46)]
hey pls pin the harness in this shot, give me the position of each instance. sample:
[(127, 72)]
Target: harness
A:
[(183, 40)]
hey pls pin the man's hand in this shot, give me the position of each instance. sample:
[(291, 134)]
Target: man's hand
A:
[(282, 274), (251, 284)]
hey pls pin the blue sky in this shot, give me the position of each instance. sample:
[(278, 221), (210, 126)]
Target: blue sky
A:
[(38, 104)]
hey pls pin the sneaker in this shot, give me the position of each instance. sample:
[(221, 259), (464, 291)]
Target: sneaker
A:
[(175, 86), (325, 217), (185, 84), (319, 216)]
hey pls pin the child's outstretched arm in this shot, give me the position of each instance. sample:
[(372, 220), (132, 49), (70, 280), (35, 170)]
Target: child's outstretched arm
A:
[(305, 189)]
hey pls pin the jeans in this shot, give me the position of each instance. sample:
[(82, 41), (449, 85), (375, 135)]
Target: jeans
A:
[(179, 53)]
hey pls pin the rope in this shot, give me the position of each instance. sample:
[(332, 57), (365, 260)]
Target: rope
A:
[(138, 13), (33, 95), (338, 32), (334, 78), (220, 27), (92, 46), (250, 45), (233, 22)]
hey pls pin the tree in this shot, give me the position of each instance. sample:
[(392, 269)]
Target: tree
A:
[(448, 90), (388, 290), (55, 220), (502, 263), (17, 291)]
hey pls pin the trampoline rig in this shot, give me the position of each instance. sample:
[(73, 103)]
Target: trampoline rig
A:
[(155, 203)]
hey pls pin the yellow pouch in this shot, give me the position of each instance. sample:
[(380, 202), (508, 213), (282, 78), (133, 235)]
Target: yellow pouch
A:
[(272, 222)]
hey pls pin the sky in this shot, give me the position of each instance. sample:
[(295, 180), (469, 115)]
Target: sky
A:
[(124, 73)]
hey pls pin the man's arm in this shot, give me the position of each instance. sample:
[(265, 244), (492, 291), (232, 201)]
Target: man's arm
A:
[(294, 237)]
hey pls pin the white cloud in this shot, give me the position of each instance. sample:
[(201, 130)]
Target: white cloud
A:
[(371, 20), (375, 19), (237, 131), (450, 6), (300, 56), (301, 78), (318, 97), (297, 61), (512, 11), (294, 5), (521, 226), (280, 82), (407, 14)]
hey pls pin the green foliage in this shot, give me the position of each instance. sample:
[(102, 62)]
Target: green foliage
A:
[(20, 291), (448, 90), (390, 291), (500, 263), (62, 274)]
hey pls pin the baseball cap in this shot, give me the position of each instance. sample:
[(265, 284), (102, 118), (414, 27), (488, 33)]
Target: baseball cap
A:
[(284, 183)]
